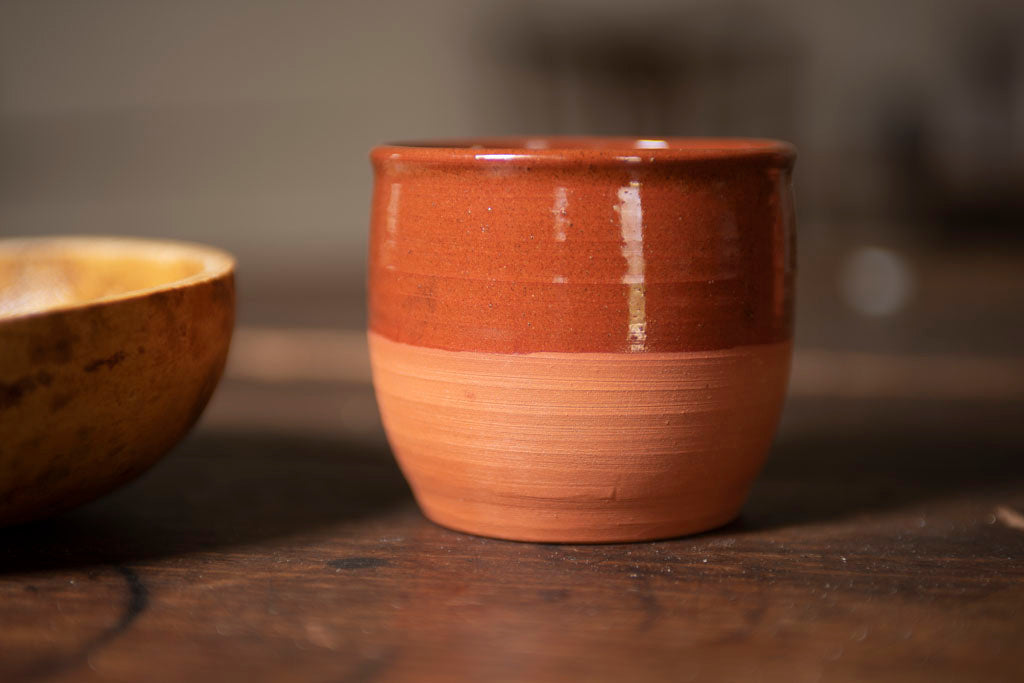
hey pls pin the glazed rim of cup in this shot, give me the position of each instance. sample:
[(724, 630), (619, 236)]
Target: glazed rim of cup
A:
[(570, 149), (190, 263)]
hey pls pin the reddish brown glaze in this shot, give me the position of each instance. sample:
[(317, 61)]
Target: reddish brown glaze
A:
[(583, 339), (509, 249)]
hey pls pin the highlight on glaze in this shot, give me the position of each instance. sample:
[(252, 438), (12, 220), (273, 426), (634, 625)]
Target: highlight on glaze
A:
[(631, 218), (390, 243), (581, 339), (559, 211)]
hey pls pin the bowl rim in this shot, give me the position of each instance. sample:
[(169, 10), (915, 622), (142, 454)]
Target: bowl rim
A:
[(217, 263), (570, 149)]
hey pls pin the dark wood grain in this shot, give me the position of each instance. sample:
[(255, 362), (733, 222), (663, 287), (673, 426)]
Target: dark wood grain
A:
[(880, 544)]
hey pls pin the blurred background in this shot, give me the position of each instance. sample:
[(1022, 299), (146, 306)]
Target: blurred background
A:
[(247, 125), (279, 540)]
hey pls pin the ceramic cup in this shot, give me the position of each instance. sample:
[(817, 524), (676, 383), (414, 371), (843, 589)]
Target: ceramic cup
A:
[(581, 339)]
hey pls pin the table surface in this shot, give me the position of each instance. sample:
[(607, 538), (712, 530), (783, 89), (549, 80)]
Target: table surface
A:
[(279, 542)]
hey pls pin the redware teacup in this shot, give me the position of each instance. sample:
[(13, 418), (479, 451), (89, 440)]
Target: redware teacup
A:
[(581, 339)]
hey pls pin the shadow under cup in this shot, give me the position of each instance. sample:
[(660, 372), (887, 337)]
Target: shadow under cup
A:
[(581, 339)]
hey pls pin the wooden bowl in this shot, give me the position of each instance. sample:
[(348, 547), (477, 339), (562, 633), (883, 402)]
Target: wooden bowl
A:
[(581, 339), (110, 349)]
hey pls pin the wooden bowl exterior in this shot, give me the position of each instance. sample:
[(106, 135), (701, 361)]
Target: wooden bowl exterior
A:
[(94, 393)]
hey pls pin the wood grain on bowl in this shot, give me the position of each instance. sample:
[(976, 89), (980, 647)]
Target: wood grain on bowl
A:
[(111, 349)]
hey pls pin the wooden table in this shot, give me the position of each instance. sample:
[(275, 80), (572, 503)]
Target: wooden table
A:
[(885, 541)]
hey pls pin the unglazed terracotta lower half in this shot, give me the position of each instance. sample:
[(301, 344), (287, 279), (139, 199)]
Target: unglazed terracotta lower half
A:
[(580, 447)]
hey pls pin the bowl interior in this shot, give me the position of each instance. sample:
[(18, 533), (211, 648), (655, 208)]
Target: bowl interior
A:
[(39, 275)]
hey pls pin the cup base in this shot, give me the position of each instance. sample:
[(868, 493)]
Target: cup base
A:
[(618, 526)]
